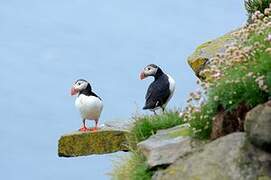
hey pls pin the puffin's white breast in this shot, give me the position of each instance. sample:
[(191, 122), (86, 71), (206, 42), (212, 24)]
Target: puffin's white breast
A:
[(90, 107), (171, 84), (171, 88)]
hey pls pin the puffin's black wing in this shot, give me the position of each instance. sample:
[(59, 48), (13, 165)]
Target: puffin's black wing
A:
[(158, 93), (88, 92)]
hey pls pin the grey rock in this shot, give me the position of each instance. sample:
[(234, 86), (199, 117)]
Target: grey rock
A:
[(167, 146), (118, 125), (201, 57), (231, 157), (258, 126)]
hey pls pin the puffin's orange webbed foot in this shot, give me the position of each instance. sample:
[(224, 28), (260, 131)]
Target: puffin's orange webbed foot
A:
[(84, 129), (94, 129)]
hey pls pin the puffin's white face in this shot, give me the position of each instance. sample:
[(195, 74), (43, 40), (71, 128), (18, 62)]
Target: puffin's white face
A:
[(78, 86), (149, 70)]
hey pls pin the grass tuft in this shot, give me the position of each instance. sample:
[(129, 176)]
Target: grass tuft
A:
[(146, 126), (133, 167)]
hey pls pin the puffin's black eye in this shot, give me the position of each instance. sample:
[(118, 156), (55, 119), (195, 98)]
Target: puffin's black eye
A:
[(79, 84), (149, 69)]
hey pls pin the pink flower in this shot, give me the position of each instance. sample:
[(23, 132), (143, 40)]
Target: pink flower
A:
[(269, 37)]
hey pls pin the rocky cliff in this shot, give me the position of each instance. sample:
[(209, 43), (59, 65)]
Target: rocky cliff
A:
[(228, 136), (237, 156)]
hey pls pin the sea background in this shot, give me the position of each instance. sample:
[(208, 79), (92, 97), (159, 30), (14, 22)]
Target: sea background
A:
[(46, 45)]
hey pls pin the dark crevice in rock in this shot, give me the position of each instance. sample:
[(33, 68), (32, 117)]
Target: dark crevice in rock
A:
[(226, 122)]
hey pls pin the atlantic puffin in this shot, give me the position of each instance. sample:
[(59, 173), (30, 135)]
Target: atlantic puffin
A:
[(160, 90), (87, 102)]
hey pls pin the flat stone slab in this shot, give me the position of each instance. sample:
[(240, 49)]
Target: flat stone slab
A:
[(108, 139), (168, 145)]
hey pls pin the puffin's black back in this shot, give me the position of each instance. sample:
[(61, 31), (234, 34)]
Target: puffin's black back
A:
[(158, 91), (88, 92)]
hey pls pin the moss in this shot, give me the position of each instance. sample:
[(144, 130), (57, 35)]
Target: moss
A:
[(181, 132), (87, 143), (214, 47), (264, 178)]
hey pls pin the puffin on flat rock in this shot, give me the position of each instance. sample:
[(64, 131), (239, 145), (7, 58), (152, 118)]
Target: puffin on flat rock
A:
[(87, 102), (160, 90)]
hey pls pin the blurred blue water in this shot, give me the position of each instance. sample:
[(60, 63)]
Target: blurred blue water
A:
[(46, 45)]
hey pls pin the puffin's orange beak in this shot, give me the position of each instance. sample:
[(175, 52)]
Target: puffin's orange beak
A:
[(142, 75), (73, 91)]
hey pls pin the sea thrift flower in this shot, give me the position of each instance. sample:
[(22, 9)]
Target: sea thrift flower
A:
[(181, 114), (267, 11), (268, 50), (250, 74), (216, 98)]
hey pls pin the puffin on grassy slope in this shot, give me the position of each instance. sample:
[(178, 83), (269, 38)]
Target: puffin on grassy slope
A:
[(160, 90), (87, 102)]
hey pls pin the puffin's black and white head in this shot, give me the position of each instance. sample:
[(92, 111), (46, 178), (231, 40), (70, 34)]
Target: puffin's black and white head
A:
[(151, 70), (80, 86)]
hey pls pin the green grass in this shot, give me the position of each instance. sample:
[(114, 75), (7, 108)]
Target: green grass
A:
[(133, 167), (146, 126)]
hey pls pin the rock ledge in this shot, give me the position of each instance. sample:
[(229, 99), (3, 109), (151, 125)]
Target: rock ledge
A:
[(108, 139)]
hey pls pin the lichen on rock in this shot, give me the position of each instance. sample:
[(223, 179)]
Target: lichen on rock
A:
[(203, 53), (108, 139)]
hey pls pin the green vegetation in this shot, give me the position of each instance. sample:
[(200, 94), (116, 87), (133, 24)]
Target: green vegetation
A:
[(146, 126), (256, 5), (242, 84), (201, 122), (133, 167), (246, 81)]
